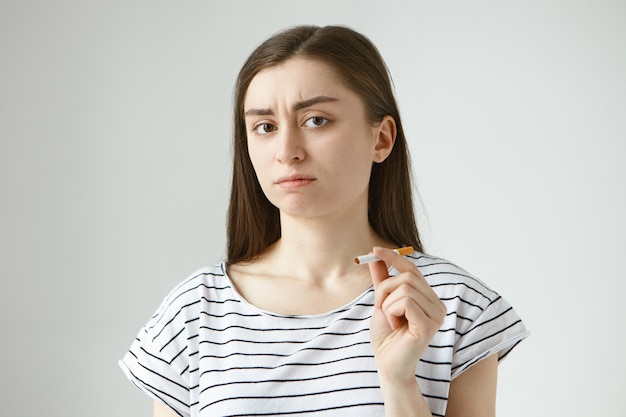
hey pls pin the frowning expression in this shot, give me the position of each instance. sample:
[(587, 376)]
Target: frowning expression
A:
[(309, 140)]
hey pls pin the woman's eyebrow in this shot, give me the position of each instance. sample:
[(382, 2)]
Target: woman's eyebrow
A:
[(298, 106), (259, 112), (310, 102)]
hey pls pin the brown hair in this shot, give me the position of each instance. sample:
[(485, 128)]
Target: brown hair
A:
[(253, 222)]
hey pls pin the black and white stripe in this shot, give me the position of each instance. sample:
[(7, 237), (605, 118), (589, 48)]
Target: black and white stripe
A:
[(208, 352)]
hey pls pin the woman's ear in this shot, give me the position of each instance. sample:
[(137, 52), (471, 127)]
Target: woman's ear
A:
[(386, 131)]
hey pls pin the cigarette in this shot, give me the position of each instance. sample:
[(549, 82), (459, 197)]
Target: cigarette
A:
[(365, 259)]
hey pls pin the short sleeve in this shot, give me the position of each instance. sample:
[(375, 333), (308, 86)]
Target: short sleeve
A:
[(479, 323), (496, 330), (157, 361)]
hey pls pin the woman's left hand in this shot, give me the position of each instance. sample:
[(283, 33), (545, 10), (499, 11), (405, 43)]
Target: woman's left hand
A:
[(407, 314)]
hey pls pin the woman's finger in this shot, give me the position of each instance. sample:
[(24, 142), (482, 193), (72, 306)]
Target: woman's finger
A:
[(399, 262)]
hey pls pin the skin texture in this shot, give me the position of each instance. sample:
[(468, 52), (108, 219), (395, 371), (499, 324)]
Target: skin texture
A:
[(312, 149), (317, 140)]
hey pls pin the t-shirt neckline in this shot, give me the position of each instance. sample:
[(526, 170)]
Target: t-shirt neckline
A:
[(264, 312)]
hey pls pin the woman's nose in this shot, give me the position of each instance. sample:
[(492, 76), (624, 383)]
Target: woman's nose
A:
[(290, 146)]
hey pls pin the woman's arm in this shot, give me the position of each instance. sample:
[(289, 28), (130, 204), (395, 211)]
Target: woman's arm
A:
[(407, 314), (161, 410), (473, 393)]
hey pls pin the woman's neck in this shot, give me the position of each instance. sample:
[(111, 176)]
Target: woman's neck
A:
[(312, 264), (320, 249)]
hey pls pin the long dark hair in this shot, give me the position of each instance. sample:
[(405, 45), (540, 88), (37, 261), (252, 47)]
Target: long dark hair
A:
[(253, 222)]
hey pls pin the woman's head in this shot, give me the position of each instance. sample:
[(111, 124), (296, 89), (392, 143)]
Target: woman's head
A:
[(253, 222)]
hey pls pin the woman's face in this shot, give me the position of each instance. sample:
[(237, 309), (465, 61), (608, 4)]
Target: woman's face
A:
[(309, 140)]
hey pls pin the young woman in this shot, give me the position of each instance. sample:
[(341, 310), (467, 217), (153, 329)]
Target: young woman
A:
[(289, 325)]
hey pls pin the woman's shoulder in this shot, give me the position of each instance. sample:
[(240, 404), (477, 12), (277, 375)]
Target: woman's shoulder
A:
[(479, 321), (202, 278), (208, 283), (452, 282), (439, 270)]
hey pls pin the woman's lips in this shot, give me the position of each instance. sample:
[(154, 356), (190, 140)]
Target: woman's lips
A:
[(294, 181)]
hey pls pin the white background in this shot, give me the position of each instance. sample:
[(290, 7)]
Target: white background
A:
[(114, 175)]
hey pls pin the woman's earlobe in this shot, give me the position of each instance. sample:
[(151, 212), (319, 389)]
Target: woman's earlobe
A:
[(386, 138)]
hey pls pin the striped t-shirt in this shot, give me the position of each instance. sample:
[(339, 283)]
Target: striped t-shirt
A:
[(208, 352)]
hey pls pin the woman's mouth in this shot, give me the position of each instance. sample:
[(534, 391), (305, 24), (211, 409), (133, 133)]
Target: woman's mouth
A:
[(294, 181)]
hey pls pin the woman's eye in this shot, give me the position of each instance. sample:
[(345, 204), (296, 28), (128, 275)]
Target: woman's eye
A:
[(264, 128), (316, 121)]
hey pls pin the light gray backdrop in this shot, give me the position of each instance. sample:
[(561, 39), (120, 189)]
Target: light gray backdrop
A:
[(114, 172)]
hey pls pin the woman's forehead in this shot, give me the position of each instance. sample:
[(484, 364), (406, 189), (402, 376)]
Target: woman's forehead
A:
[(297, 79)]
